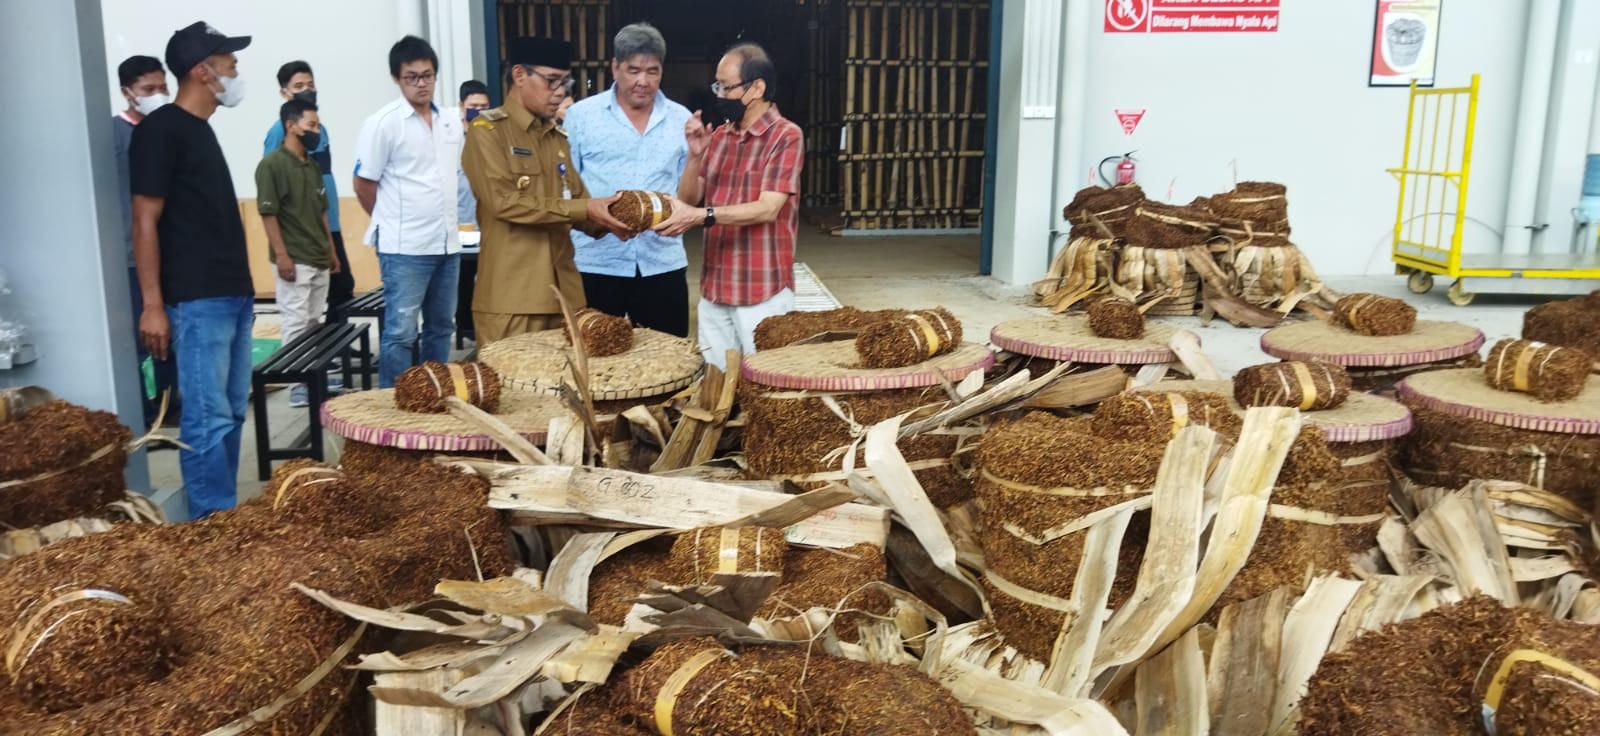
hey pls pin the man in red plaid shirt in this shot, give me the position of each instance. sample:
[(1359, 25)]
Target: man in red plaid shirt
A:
[(747, 173)]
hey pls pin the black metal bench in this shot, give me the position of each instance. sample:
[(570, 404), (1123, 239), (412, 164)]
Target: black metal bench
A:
[(307, 359), (369, 304)]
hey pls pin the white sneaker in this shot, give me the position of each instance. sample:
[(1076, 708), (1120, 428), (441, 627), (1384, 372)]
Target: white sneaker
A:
[(335, 381), (299, 398)]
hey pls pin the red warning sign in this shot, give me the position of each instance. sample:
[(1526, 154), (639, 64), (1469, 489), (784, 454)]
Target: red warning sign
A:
[(1191, 16), (1129, 119)]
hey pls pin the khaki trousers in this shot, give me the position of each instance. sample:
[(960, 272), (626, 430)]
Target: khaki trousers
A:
[(491, 326)]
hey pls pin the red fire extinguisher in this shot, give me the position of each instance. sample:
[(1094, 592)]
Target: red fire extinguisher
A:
[(1124, 168)]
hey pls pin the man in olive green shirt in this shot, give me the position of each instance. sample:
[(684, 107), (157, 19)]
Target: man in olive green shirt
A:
[(294, 211)]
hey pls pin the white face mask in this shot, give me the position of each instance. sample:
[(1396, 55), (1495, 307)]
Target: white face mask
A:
[(232, 89), (148, 104)]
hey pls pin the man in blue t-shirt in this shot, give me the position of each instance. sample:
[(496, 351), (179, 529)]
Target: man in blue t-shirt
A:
[(295, 82)]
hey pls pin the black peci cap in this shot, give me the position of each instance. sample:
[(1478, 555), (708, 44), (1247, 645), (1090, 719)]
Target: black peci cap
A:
[(191, 45), (539, 52)]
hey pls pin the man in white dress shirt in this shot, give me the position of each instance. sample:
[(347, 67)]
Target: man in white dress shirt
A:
[(405, 177)]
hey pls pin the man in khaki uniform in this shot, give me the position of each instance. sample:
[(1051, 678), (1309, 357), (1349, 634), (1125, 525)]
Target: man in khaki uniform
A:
[(529, 198)]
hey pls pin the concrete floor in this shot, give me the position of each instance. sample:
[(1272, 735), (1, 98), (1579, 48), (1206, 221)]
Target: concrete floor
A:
[(883, 272)]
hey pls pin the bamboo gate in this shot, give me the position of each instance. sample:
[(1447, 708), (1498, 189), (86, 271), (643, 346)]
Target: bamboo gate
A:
[(891, 94)]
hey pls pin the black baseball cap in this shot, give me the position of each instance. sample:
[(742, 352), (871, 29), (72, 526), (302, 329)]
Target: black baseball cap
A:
[(195, 42)]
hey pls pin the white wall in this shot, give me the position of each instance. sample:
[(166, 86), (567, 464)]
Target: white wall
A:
[(1291, 106), (63, 255), (345, 41), (1573, 89)]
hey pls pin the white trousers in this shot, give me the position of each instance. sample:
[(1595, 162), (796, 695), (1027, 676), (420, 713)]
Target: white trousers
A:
[(301, 302), (723, 327)]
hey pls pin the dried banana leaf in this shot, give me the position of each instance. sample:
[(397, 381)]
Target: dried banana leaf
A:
[(1170, 690), (1242, 681)]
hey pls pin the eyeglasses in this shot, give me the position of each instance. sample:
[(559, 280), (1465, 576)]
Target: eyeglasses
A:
[(418, 80), (558, 81), (717, 88)]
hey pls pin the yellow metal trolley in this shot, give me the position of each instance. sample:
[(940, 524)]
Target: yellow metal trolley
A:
[(1433, 209)]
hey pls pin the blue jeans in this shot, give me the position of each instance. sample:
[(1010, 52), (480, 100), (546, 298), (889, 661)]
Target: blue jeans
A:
[(413, 287), (211, 339)]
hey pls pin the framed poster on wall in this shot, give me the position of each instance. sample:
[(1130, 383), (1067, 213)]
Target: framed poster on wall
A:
[(1405, 42)]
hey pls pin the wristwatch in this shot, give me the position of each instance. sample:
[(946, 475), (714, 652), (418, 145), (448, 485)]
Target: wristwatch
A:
[(711, 217)]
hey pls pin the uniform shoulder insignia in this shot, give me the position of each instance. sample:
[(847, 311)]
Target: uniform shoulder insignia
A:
[(479, 122), (561, 131), (492, 114)]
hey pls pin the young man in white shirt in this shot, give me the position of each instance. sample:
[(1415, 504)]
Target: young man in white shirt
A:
[(405, 177)]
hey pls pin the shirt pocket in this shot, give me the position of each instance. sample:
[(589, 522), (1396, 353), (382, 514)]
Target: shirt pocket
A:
[(526, 174)]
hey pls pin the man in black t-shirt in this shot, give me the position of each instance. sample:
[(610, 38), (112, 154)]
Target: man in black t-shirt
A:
[(189, 249)]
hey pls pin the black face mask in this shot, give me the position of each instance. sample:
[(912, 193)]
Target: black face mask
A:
[(308, 96), (729, 111), (310, 139)]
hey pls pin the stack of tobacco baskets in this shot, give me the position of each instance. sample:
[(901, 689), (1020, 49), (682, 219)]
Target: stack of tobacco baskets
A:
[(1229, 254)]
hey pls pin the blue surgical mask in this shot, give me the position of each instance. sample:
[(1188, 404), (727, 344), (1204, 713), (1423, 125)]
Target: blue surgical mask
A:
[(472, 113)]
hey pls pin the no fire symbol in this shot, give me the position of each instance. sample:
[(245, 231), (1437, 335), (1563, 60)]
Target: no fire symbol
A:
[(1126, 15)]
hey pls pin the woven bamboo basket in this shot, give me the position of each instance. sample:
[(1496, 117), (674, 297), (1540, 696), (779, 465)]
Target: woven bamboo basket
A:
[(1467, 430), (371, 417), (657, 365), (782, 329), (793, 433), (1376, 363), (61, 461), (1361, 418), (1068, 338)]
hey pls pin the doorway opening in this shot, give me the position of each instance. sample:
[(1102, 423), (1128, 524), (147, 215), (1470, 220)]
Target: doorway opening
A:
[(891, 94)]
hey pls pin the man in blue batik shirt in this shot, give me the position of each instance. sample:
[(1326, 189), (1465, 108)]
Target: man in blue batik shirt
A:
[(631, 137)]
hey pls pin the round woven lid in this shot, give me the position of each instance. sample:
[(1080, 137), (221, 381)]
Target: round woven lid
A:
[(1361, 418), (657, 364), (1069, 338), (1428, 342), (1464, 392), (372, 417), (833, 366)]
